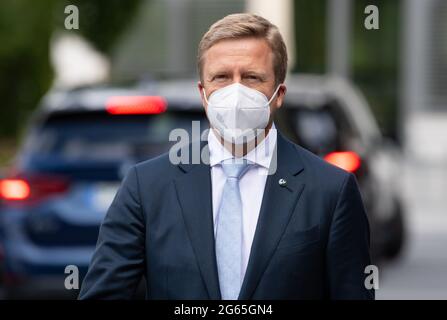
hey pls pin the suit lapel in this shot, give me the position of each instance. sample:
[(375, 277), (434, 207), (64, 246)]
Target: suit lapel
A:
[(194, 195), (277, 206)]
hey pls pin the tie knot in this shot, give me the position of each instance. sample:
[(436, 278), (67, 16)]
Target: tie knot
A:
[(235, 168)]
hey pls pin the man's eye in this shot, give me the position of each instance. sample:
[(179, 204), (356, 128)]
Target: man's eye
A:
[(252, 77), (220, 77)]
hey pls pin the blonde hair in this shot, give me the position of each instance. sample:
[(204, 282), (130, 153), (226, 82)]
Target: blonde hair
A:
[(245, 25)]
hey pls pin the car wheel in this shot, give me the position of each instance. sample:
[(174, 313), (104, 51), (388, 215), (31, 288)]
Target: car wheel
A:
[(396, 229)]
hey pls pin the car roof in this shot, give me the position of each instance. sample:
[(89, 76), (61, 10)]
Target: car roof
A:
[(179, 94), (315, 91)]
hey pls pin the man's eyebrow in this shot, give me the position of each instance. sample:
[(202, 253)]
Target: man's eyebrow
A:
[(218, 70), (213, 73), (256, 72), (224, 71)]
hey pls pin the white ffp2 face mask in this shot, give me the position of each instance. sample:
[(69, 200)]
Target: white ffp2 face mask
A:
[(239, 113)]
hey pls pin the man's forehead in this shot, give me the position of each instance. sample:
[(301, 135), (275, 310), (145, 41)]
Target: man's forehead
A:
[(239, 52)]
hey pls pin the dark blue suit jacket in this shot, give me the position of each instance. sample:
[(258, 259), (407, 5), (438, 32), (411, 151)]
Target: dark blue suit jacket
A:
[(311, 240)]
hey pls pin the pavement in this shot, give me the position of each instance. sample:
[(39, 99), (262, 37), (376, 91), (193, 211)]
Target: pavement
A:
[(421, 272)]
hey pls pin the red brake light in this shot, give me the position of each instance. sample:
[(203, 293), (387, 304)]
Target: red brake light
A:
[(347, 160), (31, 188), (136, 105), (14, 189)]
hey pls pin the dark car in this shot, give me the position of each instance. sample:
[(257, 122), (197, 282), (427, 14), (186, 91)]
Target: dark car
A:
[(81, 142), (79, 145), (331, 118)]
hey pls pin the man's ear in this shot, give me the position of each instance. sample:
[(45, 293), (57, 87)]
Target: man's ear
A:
[(280, 95), (201, 90)]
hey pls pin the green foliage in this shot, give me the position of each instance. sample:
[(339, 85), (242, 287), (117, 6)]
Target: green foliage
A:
[(375, 61), (310, 36), (26, 28), (25, 71), (374, 53), (102, 21)]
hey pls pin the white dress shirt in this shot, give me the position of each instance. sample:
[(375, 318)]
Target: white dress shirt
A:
[(251, 185)]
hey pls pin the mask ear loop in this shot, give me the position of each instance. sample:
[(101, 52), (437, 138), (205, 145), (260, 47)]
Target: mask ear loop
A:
[(204, 95), (274, 94)]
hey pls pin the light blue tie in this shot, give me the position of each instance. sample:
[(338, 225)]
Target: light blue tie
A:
[(229, 231)]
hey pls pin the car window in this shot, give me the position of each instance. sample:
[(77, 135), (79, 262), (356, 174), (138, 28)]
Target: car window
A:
[(321, 129), (102, 137)]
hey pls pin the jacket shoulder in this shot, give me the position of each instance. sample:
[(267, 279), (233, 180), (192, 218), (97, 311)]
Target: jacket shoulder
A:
[(159, 167), (324, 175), (320, 166)]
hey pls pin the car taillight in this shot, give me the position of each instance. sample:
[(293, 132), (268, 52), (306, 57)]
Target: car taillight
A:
[(14, 189), (347, 160), (118, 105), (31, 189)]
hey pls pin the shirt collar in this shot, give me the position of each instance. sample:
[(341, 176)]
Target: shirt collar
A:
[(261, 155)]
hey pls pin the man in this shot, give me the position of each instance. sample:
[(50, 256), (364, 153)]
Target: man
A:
[(268, 220)]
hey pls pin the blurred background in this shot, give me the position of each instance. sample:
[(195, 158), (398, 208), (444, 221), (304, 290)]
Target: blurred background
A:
[(373, 101)]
